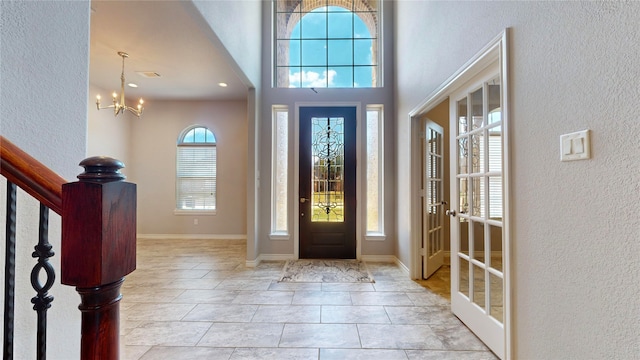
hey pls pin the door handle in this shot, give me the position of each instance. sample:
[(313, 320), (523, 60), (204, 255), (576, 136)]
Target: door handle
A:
[(450, 213), (303, 200)]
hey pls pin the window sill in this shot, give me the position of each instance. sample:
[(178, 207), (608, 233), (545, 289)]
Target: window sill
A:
[(194, 212), (375, 237), (279, 236)]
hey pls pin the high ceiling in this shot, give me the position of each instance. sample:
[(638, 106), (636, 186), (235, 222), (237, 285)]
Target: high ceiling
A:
[(161, 37)]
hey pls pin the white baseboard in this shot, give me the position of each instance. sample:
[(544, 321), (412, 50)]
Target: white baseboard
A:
[(268, 257), (194, 236), (403, 267)]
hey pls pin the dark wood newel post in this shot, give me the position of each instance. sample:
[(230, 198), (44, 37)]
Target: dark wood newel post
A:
[(98, 250)]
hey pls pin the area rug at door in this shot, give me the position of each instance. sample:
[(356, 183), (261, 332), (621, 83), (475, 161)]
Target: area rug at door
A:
[(328, 271)]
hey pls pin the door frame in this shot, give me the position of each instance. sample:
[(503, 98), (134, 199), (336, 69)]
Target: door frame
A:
[(495, 50), (296, 171)]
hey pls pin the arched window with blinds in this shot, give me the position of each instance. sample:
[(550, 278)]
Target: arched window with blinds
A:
[(196, 170)]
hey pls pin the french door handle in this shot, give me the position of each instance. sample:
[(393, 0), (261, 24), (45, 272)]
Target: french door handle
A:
[(303, 200), (450, 213)]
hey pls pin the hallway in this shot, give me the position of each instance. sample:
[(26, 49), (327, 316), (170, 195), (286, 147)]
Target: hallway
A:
[(201, 302)]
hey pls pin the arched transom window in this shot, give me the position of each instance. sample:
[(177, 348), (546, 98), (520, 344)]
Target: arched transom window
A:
[(196, 170), (327, 43)]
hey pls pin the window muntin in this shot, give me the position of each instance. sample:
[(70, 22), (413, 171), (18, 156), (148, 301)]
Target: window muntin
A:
[(196, 163), (330, 44)]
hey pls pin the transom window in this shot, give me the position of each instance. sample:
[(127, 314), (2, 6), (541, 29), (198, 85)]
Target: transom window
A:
[(196, 170), (327, 43)]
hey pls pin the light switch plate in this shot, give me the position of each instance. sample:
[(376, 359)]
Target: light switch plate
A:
[(575, 146)]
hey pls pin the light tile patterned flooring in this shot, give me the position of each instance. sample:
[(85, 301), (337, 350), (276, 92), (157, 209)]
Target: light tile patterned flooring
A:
[(195, 299)]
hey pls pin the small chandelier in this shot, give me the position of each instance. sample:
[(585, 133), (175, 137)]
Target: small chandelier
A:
[(119, 106)]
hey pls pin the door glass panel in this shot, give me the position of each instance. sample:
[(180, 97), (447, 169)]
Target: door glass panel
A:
[(464, 201), (476, 193), (495, 149), (478, 286), (463, 153), (477, 113), (496, 309), (463, 245), (463, 283), (327, 177), (462, 116), (494, 110), (432, 217), (495, 197), (496, 247), (477, 151), (478, 241)]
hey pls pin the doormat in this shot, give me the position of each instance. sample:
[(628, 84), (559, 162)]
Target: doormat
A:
[(328, 271)]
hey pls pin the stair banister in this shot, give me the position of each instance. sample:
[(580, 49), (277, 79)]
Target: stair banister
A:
[(98, 246)]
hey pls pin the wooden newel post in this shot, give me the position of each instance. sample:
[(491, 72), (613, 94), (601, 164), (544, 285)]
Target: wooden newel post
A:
[(98, 250)]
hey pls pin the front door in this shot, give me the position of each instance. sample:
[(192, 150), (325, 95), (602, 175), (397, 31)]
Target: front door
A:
[(433, 199), (327, 178), (477, 201)]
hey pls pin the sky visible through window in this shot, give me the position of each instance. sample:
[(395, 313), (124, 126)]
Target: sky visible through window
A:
[(330, 47)]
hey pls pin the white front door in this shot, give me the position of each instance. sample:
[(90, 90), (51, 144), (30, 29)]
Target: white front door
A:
[(478, 195), (433, 198)]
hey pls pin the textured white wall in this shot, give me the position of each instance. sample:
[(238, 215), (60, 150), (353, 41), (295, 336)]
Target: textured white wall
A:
[(153, 165), (43, 109), (237, 30), (574, 65)]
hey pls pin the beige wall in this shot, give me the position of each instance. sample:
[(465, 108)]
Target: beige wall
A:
[(108, 135), (153, 163), (573, 66)]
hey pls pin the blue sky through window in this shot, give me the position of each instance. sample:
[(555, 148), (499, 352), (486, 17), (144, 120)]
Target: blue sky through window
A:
[(330, 47)]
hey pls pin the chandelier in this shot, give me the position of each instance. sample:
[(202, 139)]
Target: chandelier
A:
[(119, 106)]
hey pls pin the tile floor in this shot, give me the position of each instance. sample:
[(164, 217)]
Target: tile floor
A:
[(195, 299)]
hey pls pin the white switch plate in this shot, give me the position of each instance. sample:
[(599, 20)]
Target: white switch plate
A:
[(575, 146)]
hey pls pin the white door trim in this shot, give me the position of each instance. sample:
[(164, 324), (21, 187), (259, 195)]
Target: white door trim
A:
[(495, 50), (296, 171)]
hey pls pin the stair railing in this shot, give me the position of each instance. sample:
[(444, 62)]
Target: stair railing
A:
[(98, 246)]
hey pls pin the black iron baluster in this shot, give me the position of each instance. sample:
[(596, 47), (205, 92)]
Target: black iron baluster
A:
[(42, 301), (9, 272)]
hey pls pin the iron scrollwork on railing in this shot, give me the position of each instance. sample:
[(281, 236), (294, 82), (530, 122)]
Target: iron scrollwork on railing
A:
[(10, 271), (42, 301)]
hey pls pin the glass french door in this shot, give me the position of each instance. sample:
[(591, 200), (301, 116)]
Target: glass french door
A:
[(433, 204), (478, 195)]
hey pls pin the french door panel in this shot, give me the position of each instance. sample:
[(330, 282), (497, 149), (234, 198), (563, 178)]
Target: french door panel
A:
[(477, 198), (327, 181), (433, 198)]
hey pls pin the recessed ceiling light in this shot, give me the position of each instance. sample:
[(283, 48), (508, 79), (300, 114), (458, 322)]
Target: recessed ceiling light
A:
[(222, 84), (132, 85)]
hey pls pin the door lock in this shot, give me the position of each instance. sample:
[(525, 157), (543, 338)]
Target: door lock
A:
[(450, 213)]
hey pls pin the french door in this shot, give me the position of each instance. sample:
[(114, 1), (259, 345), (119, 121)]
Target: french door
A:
[(477, 207), (433, 204), (327, 178)]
